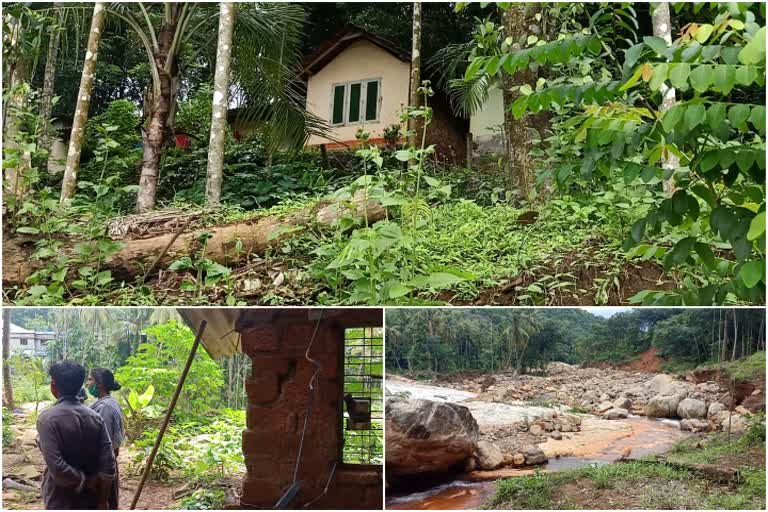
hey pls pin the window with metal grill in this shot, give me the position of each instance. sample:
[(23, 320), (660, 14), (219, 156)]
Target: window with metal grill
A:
[(362, 415)]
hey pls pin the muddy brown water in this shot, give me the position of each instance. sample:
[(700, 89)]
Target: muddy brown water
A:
[(647, 437), (600, 442)]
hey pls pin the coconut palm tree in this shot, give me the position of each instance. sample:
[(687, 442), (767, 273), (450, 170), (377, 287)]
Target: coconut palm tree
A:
[(265, 58)]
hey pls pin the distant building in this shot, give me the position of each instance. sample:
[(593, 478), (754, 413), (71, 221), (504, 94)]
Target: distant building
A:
[(27, 342)]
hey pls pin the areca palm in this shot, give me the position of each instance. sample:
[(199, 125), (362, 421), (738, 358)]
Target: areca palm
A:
[(265, 58)]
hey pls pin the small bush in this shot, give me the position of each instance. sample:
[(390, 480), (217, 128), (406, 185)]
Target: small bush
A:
[(202, 499)]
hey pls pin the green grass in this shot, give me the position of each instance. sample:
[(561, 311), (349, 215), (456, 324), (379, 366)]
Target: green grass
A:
[(488, 243), (747, 368), (744, 369)]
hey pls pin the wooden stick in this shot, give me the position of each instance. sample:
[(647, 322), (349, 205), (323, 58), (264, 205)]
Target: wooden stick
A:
[(168, 414), (165, 249)]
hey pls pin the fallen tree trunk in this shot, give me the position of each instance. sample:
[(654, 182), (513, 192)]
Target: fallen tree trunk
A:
[(136, 256)]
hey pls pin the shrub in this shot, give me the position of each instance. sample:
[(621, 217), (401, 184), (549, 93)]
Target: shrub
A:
[(160, 361)]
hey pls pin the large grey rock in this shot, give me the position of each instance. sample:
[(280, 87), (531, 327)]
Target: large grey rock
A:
[(424, 436), (616, 413), (720, 421), (534, 455), (488, 455), (605, 406), (623, 403), (694, 425), (715, 407), (690, 408), (663, 406), (663, 384)]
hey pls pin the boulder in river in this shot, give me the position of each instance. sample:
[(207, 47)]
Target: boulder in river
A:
[(663, 406), (605, 406), (616, 413), (722, 419), (666, 385), (694, 425), (534, 455), (715, 407), (690, 408), (424, 436), (623, 403), (488, 456)]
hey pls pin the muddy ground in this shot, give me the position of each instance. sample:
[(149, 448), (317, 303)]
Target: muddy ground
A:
[(23, 463)]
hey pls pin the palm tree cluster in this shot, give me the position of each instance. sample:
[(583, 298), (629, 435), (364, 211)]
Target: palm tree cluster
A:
[(257, 61)]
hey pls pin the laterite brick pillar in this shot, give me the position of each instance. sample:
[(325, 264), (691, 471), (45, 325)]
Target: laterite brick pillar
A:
[(278, 390)]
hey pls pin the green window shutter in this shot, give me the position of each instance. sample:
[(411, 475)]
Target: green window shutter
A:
[(372, 100), (355, 92), (337, 116)]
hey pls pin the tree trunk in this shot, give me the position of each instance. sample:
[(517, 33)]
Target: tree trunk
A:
[(49, 77), (7, 386), (519, 23), (160, 102), (215, 173), (414, 99), (662, 27), (14, 185), (735, 335), (69, 182), (137, 255)]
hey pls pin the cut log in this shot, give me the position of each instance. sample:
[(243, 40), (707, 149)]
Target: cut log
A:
[(254, 235)]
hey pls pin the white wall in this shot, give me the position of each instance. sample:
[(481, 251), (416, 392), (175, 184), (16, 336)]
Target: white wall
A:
[(361, 60), (486, 123)]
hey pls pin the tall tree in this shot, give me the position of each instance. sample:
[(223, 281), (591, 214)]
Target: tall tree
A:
[(20, 51), (169, 31), (662, 28), (7, 386), (69, 183), (414, 99), (49, 78), (519, 22), (215, 173)]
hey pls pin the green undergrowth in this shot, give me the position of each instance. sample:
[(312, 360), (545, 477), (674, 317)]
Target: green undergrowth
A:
[(747, 368), (645, 485)]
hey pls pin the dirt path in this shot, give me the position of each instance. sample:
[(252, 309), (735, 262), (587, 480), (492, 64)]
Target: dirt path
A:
[(23, 463)]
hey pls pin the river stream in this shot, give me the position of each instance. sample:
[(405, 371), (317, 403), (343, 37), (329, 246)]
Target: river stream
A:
[(599, 442)]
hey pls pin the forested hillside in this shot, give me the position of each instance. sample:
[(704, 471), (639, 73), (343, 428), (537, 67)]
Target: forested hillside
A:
[(525, 339)]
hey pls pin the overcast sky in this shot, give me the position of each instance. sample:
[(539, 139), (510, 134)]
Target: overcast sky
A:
[(606, 312)]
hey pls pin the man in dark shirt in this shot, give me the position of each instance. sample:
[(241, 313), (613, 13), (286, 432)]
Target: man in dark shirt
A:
[(80, 463)]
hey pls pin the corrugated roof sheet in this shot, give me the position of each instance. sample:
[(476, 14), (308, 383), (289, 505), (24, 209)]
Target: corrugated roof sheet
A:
[(221, 339)]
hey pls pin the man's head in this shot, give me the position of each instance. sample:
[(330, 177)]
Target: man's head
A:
[(66, 378)]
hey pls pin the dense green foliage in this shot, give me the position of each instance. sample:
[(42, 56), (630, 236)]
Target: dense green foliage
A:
[(524, 339), (160, 361), (614, 128), (613, 218)]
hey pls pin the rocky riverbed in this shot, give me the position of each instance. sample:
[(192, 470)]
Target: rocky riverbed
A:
[(476, 429)]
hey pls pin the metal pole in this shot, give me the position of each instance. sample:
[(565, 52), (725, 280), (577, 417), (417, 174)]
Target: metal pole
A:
[(168, 414)]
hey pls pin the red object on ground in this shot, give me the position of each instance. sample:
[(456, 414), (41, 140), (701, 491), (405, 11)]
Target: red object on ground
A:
[(182, 140)]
